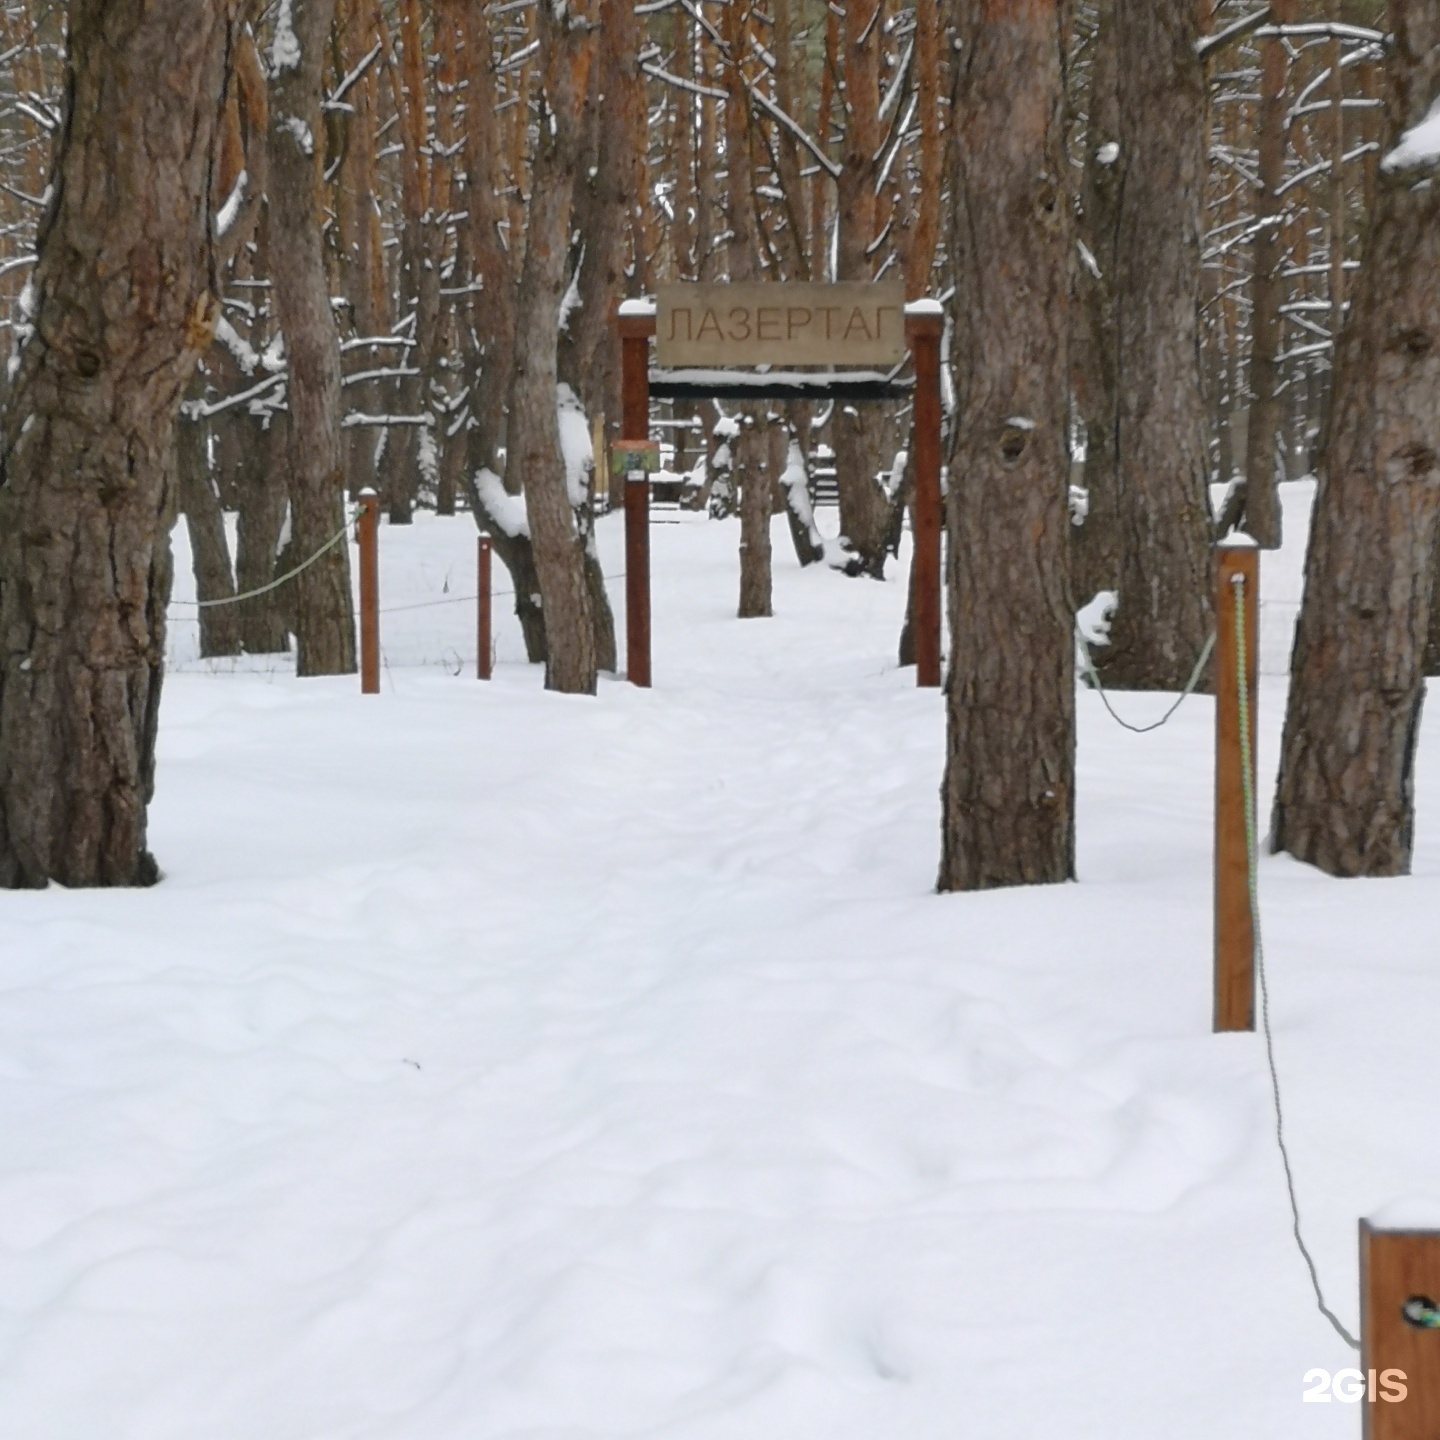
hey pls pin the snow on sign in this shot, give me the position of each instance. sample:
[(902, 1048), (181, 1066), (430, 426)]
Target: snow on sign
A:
[(780, 324)]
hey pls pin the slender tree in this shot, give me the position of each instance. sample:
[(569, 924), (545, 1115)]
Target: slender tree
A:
[(121, 308), (1008, 791), (1345, 800), (324, 618)]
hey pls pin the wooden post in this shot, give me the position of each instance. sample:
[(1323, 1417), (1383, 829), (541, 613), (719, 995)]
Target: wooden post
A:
[(483, 664), (369, 538), (636, 325), (924, 326), (1238, 569), (1399, 1270)]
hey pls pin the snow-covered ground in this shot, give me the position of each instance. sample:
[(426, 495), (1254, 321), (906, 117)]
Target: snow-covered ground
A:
[(498, 1064)]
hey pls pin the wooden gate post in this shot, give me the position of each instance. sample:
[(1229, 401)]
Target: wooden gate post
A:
[(1400, 1332), (483, 662), (635, 322), (924, 325), (1237, 577), (369, 538)]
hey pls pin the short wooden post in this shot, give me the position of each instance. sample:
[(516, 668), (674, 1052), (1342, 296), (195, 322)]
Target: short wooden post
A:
[(369, 538), (1400, 1273), (1237, 577), (924, 325), (483, 660), (636, 324)]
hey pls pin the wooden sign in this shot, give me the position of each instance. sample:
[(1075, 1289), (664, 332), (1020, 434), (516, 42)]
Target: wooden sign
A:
[(783, 324)]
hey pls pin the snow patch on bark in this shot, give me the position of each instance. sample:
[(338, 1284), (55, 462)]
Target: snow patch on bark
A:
[(575, 444), (1420, 145), (285, 49), (507, 511)]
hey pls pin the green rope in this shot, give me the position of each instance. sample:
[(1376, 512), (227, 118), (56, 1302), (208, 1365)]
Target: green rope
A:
[(330, 544), (1252, 875), (1087, 665)]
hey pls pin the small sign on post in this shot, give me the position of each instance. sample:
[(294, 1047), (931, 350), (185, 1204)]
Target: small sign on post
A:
[(634, 458), (1400, 1332)]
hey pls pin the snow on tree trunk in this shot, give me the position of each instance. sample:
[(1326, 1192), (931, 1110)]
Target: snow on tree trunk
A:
[(1345, 800), (122, 310), (1008, 791)]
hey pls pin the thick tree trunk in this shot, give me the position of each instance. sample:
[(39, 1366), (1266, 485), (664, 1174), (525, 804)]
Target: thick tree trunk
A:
[(1098, 542), (1346, 792), (1009, 788), (534, 457), (1164, 616), (324, 615), (1267, 291), (122, 312)]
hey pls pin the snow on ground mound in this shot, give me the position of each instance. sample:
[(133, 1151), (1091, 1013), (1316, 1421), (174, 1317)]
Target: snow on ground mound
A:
[(494, 1064)]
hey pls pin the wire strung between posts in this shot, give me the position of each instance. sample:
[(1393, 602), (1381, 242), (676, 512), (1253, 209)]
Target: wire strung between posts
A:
[(467, 599), (1252, 885), (1088, 665), (330, 544)]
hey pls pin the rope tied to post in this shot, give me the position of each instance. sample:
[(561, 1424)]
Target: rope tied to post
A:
[(1421, 1312), (1252, 885)]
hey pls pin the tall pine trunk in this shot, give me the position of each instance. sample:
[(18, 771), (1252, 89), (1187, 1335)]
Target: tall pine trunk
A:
[(1346, 793), (1009, 786), (567, 46), (123, 307), (324, 616)]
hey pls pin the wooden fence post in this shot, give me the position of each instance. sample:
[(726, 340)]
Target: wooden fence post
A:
[(369, 538), (1399, 1282), (483, 664), (924, 325), (636, 324), (1237, 577)]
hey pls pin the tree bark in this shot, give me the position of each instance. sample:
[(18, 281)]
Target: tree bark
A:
[(534, 457), (1164, 617), (324, 614), (1267, 292), (1008, 791), (1345, 800), (209, 545), (123, 309)]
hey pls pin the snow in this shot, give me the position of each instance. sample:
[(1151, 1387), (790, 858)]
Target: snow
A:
[(576, 444), (640, 307), (231, 208), (1419, 146), (299, 131), (1108, 153), (507, 510), (494, 1064), (924, 307), (285, 49)]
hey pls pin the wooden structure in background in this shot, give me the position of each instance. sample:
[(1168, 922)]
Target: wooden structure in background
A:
[(924, 323), (1237, 570)]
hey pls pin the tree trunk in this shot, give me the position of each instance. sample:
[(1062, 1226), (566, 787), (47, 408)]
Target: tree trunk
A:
[(1267, 292), (1008, 791), (324, 615), (1098, 543), (567, 45), (1346, 792), (865, 510), (122, 312), (1164, 617), (209, 545)]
